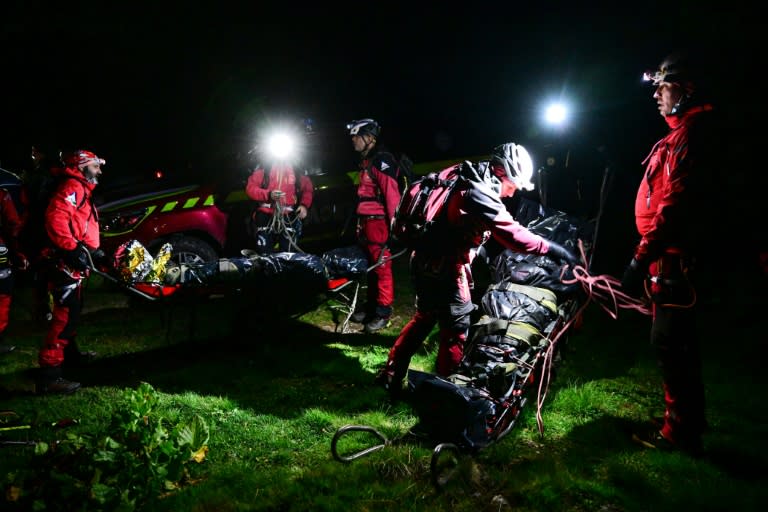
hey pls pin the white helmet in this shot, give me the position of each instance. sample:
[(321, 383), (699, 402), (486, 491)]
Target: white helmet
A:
[(516, 164), (364, 126)]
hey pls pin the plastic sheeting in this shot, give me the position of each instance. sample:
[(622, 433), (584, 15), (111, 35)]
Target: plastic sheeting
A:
[(349, 262)]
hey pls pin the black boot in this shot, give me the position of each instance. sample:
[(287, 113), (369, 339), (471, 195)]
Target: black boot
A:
[(4, 347), (50, 381)]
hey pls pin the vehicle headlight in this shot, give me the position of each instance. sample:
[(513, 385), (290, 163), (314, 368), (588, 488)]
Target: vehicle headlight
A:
[(120, 222)]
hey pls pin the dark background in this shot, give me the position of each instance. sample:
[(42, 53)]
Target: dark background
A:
[(186, 88)]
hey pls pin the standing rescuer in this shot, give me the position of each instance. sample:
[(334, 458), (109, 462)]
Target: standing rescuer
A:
[(283, 196), (72, 225), (378, 195), (671, 212)]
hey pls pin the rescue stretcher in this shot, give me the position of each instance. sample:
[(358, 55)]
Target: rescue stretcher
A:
[(338, 274), (527, 310), (507, 363)]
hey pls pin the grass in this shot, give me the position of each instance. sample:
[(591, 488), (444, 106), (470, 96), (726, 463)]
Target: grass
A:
[(275, 387)]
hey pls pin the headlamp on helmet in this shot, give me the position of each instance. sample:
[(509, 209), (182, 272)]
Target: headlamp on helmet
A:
[(364, 126), (674, 69), (513, 162), (81, 159), (281, 146), (659, 76)]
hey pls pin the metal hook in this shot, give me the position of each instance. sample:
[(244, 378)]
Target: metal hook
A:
[(441, 476), (356, 428)]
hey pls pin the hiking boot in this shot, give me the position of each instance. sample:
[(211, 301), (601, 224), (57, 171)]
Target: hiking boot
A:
[(5, 349), (656, 440), (60, 386), (361, 317), (377, 324)]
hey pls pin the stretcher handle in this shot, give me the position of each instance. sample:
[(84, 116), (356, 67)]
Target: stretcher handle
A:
[(117, 281), (382, 260), (356, 428)]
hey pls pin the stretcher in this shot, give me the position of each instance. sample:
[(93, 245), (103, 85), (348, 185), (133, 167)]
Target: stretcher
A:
[(479, 405), (312, 274), (530, 306)]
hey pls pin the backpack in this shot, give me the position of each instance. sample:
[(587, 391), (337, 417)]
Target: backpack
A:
[(421, 207), (405, 175)]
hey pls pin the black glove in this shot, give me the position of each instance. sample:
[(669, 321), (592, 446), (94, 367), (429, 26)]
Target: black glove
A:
[(634, 279), (100, 259), (77, 258), (558, 252)]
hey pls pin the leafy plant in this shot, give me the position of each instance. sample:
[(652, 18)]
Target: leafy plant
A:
[(139, 457)]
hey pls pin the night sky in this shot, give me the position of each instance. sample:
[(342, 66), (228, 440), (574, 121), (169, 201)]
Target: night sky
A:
[(187, 87)]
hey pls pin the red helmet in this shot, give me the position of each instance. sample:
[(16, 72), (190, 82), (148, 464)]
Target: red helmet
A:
[(82, 158)]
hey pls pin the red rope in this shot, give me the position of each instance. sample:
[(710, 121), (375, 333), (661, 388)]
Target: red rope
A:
[(603, 289)]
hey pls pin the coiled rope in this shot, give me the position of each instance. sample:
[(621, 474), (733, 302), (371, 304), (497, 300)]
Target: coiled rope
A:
[(281, 224)]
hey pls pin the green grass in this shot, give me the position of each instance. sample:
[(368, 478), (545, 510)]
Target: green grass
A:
[(274, 396)]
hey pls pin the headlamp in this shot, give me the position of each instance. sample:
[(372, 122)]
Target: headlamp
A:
[(661, 75), (281, 146)]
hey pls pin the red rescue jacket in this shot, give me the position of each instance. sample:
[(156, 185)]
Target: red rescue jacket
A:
[(378, 193), (678, 176), (71, 216), (10, 221), (281, 177)]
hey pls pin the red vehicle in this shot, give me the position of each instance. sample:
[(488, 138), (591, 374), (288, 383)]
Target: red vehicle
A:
[(207, 222)]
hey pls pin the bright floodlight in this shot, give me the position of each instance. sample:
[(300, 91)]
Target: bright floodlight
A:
[(556, 114), (281, 146)]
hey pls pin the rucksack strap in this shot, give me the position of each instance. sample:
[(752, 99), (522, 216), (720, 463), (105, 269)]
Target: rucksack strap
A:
[(511, 329), (543, 296)]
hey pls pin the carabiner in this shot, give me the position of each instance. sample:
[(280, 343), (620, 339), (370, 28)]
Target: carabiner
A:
[(356, 428), (441, 476)]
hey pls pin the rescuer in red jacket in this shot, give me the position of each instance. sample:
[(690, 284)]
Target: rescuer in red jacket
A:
[(72, 225), (442, 272), (378, 195), (10, 256), (283, 196), (670, 210)]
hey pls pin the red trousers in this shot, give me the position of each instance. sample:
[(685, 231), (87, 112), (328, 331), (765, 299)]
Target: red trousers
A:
[(674, 336), (67, 305), (373, 233), (443, 297)]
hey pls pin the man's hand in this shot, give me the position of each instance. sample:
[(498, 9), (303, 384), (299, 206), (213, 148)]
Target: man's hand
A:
[(633, 280), (77, 258), (557, 251), (301, 212), (274, 195)]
